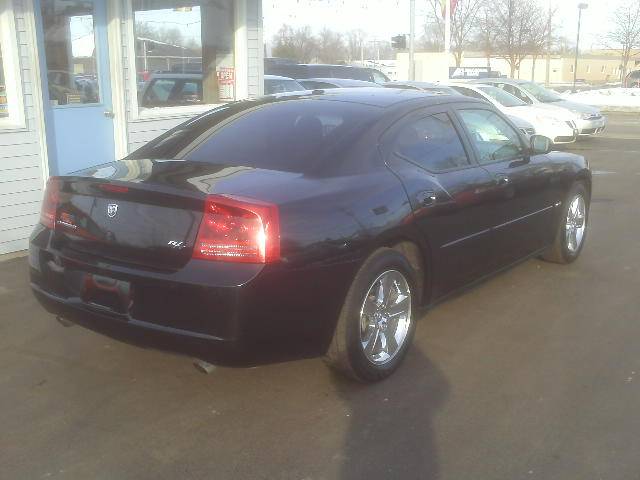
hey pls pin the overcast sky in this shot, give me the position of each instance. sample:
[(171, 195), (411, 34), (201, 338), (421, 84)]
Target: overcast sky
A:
[(382, 19)]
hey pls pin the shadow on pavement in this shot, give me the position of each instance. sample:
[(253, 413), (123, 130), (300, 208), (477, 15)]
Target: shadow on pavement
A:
[(391, 424)]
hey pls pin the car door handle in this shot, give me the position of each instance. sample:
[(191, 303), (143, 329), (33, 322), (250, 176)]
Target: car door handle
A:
[(426, 198), (502, 180)]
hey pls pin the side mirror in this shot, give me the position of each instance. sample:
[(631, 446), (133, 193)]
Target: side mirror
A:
[(540, 144)]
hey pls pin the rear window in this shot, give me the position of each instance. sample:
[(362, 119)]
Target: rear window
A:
[(290, 135)]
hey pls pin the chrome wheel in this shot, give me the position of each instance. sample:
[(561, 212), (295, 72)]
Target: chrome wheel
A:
[(385, 317), (576, 224)]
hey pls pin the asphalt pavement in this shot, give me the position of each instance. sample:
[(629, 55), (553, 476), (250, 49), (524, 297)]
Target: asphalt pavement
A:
[(533, 374)]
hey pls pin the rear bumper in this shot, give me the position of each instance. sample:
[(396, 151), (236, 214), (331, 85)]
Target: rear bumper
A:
[(210, 309)]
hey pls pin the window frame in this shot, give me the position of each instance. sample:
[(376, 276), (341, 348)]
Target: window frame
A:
[(12, 69), (240, 63), (390, 135), (524, 152)]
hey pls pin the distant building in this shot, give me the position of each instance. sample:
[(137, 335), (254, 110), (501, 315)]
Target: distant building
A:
[(597, 67)]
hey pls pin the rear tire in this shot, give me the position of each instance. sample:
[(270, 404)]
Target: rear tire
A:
[(572, 228), (377, 321)]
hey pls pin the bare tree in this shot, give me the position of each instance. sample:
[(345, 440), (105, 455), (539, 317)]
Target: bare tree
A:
[(539, 38), (463, 20), (356, 42), (298, 44), (331, 47), (486, 33), (626, 32), (515, 23), (432, 39)]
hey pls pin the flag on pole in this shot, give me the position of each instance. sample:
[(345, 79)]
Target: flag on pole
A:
[(453, 3)]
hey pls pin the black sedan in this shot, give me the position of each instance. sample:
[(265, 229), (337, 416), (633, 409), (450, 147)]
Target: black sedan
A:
[(316, 224)]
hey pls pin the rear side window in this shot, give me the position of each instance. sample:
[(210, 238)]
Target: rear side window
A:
[(515, 92), (432, 143), (300, 136), (467, 92)]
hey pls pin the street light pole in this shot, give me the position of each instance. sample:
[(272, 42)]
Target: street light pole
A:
[(412, 38), (581, 6)]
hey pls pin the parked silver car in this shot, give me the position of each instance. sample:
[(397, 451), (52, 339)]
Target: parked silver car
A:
[(588, 119)]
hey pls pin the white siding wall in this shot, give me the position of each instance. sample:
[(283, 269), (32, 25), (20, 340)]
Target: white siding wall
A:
[(20, 160), (141, 130), (256, 48)]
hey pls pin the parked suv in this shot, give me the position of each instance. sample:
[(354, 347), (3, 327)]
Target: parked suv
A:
[(314, 70)]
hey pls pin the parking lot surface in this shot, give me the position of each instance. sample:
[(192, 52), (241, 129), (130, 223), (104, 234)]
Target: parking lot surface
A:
[(533, 374)]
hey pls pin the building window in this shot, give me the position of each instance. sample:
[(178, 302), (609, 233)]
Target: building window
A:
[(602, 70), (4, 107), (588, 68), (70, 50), (184, 52), (571, 68), (11, 103)]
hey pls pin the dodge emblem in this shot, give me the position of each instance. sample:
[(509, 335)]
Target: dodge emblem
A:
[(112, 210)]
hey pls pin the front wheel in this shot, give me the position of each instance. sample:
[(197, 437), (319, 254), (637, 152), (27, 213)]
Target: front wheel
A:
[(376, 323), (572, 230)]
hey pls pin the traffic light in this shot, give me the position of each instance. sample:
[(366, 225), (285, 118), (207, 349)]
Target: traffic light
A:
[(399, 42)]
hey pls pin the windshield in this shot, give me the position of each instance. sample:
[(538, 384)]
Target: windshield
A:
[(503, 98), (280, 86), (540, 93)]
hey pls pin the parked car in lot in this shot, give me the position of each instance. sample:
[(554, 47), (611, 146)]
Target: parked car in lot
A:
[(317, 70), (422, 86), (319, 223), (632, 80), (589, 120), (555, 124), (324, 83), (275, 84), (524, 126), (172, 89)]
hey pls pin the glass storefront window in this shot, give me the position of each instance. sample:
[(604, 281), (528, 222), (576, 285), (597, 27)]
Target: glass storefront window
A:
[(184, 52), (4, 107), (70, 50)]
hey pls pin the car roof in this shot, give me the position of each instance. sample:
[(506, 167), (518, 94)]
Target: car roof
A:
[(512, 81), (413, 83), (342, 82), (379, 97), (277, 77)]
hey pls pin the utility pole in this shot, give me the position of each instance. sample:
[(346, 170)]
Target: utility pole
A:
[(581, 6), (447, 26), (547, 77), (412, 39)]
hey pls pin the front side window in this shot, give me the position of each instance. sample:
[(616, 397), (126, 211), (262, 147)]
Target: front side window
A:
[(432, 143), (541, 93), (70, 51), (378, 77), (493, 137), (192, 39)]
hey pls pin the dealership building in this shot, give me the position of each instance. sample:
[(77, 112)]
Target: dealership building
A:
[(83, 82)]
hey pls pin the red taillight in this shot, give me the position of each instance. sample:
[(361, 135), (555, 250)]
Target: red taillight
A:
[(236, 229), (110, 188), (50, 203)]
